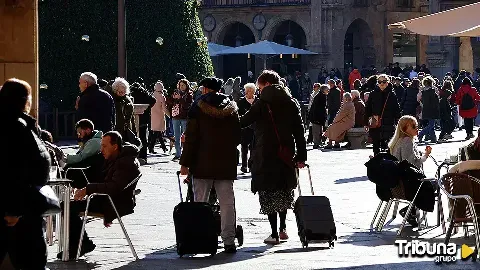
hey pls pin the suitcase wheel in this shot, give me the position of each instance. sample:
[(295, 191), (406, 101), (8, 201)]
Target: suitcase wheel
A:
[(239, 235), (331, 245)]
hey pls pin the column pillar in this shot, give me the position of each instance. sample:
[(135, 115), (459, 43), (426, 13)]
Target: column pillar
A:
[(19, 44), (466, 54)]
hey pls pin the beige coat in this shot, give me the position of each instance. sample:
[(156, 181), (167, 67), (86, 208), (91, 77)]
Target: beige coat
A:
[(344, 121), (158, 112)]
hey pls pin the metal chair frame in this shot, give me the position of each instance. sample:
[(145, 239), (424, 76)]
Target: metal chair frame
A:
[(383, 216), (85, 216), (471, 207)]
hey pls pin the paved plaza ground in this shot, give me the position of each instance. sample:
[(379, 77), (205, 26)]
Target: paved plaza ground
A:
[(340, 175)]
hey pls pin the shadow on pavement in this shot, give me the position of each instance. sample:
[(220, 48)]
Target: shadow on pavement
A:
[(168, 259), (72, 265), (425, 265), (352, 179)]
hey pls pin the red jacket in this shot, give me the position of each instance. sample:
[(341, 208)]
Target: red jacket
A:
[(354, 75), (466, 89)]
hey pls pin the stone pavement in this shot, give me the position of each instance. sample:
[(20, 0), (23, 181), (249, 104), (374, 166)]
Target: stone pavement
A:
[(340, 175)]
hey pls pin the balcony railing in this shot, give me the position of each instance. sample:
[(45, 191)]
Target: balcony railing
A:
[(254, 3)]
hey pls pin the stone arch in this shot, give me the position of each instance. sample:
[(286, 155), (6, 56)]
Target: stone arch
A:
[(231, 66), (223, 27), (359, 45), (274, 23)]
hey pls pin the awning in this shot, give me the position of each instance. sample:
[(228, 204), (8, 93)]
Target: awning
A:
[(460, 22)]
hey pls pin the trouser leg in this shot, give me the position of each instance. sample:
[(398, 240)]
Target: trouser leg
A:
[(27, 248), (245, 147), (152, 139), (142, 132), (376, 147), (469, 125), (317, 134), (226, 197), (177, 132), (162, 141), (201, 188)]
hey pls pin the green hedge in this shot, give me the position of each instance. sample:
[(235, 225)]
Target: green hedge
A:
[(64, 56)]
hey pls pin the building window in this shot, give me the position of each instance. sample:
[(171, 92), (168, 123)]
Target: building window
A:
[(405, 49), (405, 3)]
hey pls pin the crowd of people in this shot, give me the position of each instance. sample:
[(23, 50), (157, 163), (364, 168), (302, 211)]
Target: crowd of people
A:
[(206, 122)]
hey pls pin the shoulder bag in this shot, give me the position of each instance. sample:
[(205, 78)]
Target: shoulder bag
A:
[(283, 152), (375, 121)]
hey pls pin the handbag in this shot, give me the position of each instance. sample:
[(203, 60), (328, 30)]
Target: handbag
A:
[(283, 152), (375, 121)]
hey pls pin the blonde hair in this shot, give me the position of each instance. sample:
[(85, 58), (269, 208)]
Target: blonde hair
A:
[(401, 130)]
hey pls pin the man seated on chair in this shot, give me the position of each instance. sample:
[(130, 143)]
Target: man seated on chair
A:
[(88, 155), (120, 169)]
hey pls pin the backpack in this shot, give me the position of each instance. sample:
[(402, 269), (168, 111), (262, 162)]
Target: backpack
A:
[(467, 102)]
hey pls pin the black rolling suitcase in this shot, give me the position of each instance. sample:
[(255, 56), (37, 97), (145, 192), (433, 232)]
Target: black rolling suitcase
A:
[(314, 217), (195, 227)]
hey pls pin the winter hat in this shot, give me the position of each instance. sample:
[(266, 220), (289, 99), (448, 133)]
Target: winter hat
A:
[(212, 83)]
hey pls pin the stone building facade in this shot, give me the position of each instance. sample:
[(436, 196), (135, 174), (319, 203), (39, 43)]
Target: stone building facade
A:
[(344, 33)]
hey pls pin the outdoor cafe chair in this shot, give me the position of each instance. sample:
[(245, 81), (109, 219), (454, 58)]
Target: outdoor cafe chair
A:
[(86, 214), (463, 192)]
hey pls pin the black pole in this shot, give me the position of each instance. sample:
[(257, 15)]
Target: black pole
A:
[(122, 53)]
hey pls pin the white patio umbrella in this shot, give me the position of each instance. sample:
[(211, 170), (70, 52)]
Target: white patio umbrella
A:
[(459, 22), (265, 49)]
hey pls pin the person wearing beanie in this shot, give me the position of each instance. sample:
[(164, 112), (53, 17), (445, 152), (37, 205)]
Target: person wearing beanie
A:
[(214, 121)]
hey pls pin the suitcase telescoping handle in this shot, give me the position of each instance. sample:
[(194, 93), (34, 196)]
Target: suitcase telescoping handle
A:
[(309, 178), (180, 186)]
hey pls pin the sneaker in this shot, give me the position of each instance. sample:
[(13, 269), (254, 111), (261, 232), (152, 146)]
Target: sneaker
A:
[(175, 158), (271, 241), (230, 249), (469, 136), (243, 169), (86, 248), (283, 235)]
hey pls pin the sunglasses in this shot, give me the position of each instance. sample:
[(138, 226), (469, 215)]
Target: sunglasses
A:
[(382, 82)]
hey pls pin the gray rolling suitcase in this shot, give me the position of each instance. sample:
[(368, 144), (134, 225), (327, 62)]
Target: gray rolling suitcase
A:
[(314, 217)]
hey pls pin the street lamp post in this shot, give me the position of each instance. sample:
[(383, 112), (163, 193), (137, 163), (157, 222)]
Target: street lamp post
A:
[(122, 54)]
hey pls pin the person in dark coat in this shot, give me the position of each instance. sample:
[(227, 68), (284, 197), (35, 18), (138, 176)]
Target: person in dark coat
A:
[(295, 85), (210, 152), (119, 170), (334, 101), (447, 123), (247, 141), (359, 109), (410, 102), (430, 110), (141, 96), (399, 90), (26, 164), (95, 104), (318, 115), (278, 123), (383, 104), (123, 106)]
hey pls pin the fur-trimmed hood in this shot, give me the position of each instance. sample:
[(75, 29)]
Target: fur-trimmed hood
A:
[(216, 105)]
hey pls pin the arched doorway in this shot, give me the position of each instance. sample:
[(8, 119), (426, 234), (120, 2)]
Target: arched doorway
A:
[(358, 46), (289, 33), (237, 34)]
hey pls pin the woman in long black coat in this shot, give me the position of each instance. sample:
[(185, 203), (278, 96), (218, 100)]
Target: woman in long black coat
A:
[(410, 102), (274, 178), (382, 100), (27, 164)]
